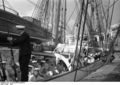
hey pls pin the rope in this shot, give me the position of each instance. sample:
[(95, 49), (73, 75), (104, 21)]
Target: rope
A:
[(82, 34)]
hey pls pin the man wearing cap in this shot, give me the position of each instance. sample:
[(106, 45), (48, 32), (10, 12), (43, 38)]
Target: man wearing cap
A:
[(23, 42)]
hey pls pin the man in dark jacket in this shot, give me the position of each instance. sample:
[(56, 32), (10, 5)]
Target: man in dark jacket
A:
[(24, 51)]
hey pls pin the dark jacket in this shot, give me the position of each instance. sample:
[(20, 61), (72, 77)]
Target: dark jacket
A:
[(23, 42)]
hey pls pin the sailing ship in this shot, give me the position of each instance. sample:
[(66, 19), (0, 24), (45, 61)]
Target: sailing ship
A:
[(82, 66), (9, 18), (64, 65)]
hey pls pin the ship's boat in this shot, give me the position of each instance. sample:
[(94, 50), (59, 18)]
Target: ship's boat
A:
[(58, 66)]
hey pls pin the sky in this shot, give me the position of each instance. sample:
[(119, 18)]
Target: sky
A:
[(25, 8)]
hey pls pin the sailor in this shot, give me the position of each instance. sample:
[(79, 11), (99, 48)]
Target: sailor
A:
[(23, 42)]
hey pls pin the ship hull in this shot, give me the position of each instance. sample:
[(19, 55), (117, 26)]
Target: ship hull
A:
[(9, 20)]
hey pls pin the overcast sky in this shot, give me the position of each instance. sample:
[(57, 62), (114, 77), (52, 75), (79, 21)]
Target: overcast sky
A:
[(25, 8)]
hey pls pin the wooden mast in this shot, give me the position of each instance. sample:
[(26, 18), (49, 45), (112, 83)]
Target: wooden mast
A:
[(65, 9), (57, 19)]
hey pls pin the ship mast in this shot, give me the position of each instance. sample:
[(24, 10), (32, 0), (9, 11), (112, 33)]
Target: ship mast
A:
[(52, 15), (57, 20)]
